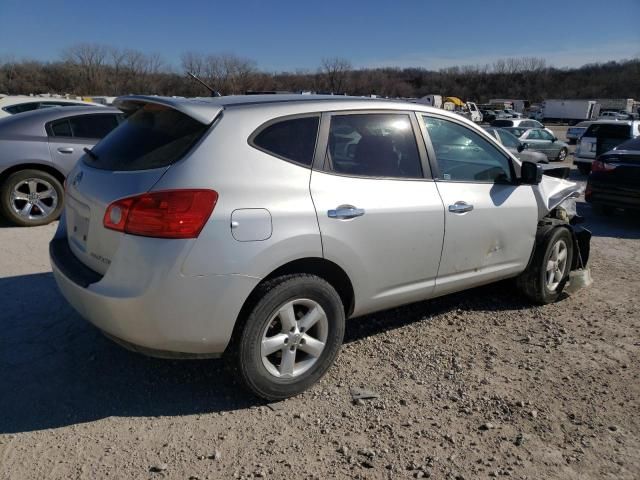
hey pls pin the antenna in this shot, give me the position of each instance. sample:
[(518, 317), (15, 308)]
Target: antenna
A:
[(214, 93)]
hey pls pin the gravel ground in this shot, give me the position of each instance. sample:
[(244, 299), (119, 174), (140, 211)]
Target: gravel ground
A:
[(474, 385)]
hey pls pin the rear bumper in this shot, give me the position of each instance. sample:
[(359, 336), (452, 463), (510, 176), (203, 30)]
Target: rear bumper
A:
[(614, 195), (168, 314)]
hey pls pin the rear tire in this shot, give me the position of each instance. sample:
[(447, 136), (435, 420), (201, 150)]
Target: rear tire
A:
[(29, 198), (584, 168), (547, 274), (290, 338)]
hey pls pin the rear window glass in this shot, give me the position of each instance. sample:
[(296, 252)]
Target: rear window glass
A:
[(21, 107), (293, 139), (502, 123), (633, 144), (608, 130), (152, 137)]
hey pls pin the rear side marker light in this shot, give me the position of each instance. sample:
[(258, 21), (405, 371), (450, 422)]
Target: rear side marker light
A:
[(163, 214)]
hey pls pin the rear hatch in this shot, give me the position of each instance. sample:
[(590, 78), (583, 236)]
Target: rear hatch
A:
[(602, 137), (621, 168), (129, 161)]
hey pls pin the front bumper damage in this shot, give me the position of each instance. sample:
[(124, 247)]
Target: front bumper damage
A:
[(557, 208)]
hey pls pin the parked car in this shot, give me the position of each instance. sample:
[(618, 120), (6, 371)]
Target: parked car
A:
[(171, 246), (602, 136), (574, 133), (488, 116), (12, 104), (512, 113), (541, 140), (614, 180), (516, 122), (613, 115), (37, 150), (516, 147), (536, 115)]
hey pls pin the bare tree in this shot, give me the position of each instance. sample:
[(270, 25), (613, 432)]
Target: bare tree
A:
[(90, 58), (336, 72)]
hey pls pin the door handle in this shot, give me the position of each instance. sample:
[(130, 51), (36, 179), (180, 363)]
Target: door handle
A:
[(65, 149), (345, 212), (460, 207)]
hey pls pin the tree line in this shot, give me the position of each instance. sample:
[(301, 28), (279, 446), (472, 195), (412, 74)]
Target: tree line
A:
[(93, 69)]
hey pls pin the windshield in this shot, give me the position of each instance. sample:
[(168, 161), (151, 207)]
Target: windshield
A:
[(508, 140)]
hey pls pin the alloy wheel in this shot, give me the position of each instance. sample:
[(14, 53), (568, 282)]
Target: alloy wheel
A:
[(33, 199), (294, 338), (556, 265)]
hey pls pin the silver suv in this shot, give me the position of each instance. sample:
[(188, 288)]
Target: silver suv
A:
[(254, 226)]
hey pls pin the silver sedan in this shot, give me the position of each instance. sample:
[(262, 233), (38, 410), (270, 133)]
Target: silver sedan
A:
[(541, 140), (37, 150)]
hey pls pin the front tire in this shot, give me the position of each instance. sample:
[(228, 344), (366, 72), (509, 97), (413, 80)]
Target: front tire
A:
[(29, 198), (547, 274), (291, 336), (562, 154)]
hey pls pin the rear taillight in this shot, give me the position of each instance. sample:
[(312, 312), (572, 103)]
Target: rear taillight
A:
[(588, 192), (599, 166), (163, 214)]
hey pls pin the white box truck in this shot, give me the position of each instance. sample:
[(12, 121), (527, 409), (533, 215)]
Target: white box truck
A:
[(570, 111), (431, 100)]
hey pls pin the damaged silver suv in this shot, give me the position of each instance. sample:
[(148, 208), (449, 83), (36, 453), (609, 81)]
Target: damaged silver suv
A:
[(254, 226)]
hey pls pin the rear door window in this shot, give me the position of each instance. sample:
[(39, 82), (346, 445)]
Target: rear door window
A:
[(373, 145), (93, 126), (153, 136), (60, 128), (84, 126), (292, 139)]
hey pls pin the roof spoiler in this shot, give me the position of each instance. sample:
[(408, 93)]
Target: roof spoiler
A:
[(201, 111)]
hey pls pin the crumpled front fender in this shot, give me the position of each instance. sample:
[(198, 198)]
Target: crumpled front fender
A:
[(551, 192)]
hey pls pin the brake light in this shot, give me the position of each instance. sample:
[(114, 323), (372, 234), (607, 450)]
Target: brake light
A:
[(588, 192), (599, 166), (163, 214)]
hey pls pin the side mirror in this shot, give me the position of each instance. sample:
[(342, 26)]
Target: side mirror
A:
[(530, 173), (555, 139), (522, 146)]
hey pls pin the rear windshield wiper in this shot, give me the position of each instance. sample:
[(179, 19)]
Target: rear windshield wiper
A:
[(89, 152)]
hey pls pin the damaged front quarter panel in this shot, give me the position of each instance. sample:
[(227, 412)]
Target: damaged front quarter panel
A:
[(556, 199), (551, 192)]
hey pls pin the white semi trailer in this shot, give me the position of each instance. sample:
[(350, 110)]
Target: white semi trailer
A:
[(570, 111)]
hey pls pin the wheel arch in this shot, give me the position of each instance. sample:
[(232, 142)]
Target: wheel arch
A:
[(323, 268), (48, 168)]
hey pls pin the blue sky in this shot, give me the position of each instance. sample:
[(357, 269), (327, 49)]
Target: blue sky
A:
[(287, 35)]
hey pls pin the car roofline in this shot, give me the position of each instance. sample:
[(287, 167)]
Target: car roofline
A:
[(206, 109)]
